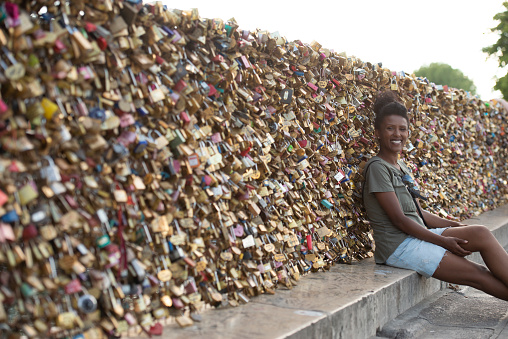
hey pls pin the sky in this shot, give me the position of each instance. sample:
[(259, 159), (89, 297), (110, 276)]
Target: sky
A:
[(403, 35)]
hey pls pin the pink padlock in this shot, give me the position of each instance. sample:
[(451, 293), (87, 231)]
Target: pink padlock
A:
[(245, 61), (311, 85), (176, 37), (185, 117), (12, 10), (238, 230), (126, 138), (81, 108), (129, 318), (127, 120), (71, 201), (207, 180), (176, 165), (329, 108), (180, 85), (85, 72), (212, 91), (216, 137), (174, 96), (73, 287), (6, 233), (3, 107)]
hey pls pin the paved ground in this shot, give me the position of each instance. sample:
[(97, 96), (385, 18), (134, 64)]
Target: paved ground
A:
[(463, 313)]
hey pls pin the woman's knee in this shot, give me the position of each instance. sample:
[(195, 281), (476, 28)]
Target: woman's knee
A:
[(481, 233)]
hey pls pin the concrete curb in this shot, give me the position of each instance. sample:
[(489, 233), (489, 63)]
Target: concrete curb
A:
[(350, 301)]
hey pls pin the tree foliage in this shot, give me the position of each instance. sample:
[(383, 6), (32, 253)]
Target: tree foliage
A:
[(444, 74), (499, 50)]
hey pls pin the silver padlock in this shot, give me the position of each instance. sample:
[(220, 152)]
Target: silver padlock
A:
[(87, 303), (50, 172), (65, 134)]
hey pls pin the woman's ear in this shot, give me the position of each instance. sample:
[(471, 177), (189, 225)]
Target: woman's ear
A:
[(376, 134)]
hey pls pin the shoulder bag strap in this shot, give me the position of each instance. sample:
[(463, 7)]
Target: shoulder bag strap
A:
[(414, 195), (365, 171)]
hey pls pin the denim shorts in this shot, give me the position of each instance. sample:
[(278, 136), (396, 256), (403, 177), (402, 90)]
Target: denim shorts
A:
[(418, 255)]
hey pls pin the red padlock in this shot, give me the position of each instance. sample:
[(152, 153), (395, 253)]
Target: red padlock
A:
[(90, 27), (156, 329), (218, 59), (177, 303), (180, 86), (303, 143), (309, 242), (159, 60), (245, 151), (30, 232), (102, 43), (73, 287), (212, 91), (59, 47)]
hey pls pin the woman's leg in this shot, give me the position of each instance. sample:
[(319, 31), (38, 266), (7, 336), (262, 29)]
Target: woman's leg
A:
[(458, 270), (481, 239)]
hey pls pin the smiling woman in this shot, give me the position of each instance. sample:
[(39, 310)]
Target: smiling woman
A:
[(402, 239)]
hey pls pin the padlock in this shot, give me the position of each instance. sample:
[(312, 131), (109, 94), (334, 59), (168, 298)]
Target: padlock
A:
[(87, 303), (156, 94), (50, 172), (28, 191), (160, 141), (176, 254)]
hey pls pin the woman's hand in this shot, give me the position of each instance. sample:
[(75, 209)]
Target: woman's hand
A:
[(456, 224), (452, 244)]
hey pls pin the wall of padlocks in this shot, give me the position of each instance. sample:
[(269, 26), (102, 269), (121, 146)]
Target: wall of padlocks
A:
[(153, 162)]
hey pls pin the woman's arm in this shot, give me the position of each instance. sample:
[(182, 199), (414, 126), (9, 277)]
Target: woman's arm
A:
[(390, 204), (434, 221)]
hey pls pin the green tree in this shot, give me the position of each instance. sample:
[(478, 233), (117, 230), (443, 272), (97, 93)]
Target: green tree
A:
[(444, 74), (499, 50)]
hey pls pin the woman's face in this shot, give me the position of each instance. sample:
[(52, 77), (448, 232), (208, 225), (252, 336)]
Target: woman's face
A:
[(393, 134)]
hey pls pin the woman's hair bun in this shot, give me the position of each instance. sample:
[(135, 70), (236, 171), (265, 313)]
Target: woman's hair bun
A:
[(383, 99)]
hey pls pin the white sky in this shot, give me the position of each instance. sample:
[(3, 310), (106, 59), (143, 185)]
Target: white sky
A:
[(402, 34)]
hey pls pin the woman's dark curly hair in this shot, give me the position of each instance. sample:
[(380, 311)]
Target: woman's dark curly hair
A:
[(387, 103)]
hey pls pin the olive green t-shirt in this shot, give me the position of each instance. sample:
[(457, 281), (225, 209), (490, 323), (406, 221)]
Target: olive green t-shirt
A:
[(381, 176)]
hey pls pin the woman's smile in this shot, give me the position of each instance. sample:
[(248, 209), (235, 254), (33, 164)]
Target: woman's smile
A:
[(393, 134)]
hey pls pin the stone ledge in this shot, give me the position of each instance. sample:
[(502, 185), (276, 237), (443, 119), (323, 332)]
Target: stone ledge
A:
[(350, 301)]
